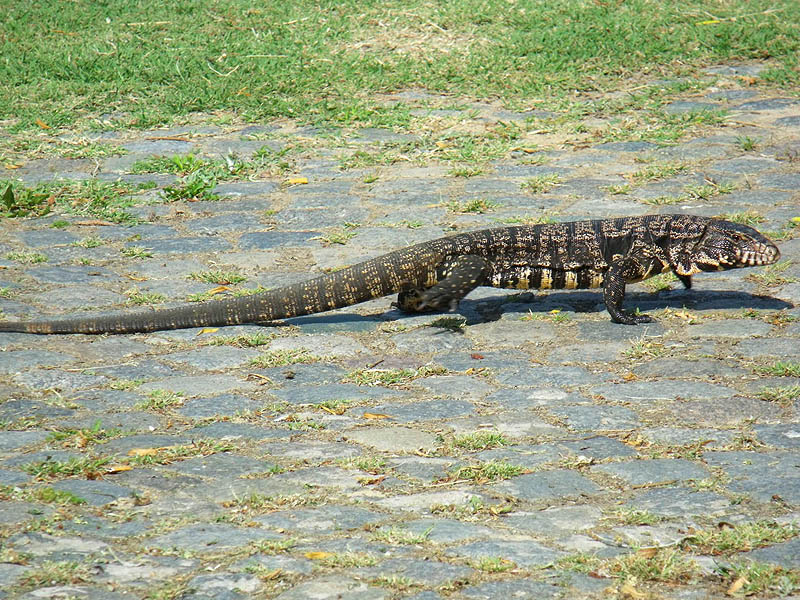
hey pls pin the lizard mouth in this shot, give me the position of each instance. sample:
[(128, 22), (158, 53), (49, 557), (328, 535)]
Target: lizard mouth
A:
[(762, 254)]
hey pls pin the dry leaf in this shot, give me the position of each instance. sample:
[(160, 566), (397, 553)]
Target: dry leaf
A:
[(318, 555), (142, 451), (110, 469), (736, 585), (297, 180), (13, 166), (647, 552), (629, 376), (628, 591), (218, 290), (208, 330), (42, 124), (476, 356), (368, 415)]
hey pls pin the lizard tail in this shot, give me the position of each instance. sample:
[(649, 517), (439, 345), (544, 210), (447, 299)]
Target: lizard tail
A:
[(371, 279)]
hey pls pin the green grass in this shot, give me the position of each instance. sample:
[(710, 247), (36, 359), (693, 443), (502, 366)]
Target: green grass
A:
[(92, 63), (480, 440)]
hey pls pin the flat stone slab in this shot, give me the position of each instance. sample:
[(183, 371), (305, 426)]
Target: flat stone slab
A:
[(95, 493), (13, 361), (518, 590), (555, 520), (643, 392), (320, 345), (393, 439), (641, 472), (222, 465), (321, 521), (198, 385), (213, 358), (678, 502), (334, 588), (211, 537), (424, 572), (548, 485), (429, 410), (525, 553), (597, 418), (786, 554)]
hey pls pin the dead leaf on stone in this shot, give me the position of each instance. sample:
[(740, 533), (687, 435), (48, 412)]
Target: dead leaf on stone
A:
[(368, 415), (318, 555), (736, 586)]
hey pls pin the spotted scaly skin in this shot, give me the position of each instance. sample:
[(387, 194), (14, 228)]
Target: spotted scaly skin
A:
[(436, 275)]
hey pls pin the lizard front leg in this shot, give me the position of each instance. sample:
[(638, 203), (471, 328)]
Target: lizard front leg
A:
[(619, 272), (464, 275)]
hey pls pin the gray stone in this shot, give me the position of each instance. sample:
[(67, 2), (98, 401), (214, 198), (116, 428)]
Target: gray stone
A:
[(781, 181), (642, 392), (289, 565), (227, 405), (332, 391), (311, 451), (684, 106), (681, 502), (393, 439), (213, 358), (221, 465), (538, 376), (554, 521), (732, 95), (626, 146), (792, 121), (46, 238), (735, 328), (96, 493), (14, 513), (527, 553), (762, 475), (223, 586), (641, 472), (334, 587), (225, 430), (56, 547), (427, 340), (238, 189), (710, 438), (424, 572), (724, 414), (528, 457), (72, 274), (414, 412), (598, 447), (710, 368), (158, 147), (597, 418), (142, 370), (445, 531), (324, 520), (181, 245), (16, 440), (548, 485), (786, 554), (211, 537), (786, 435), (10, 574), (198, 385), (53, 379), (224, 223), (744, 165), (519, 589), (769, 104), (8, 477)]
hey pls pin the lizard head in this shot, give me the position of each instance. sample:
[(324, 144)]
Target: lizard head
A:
[(724, 245)]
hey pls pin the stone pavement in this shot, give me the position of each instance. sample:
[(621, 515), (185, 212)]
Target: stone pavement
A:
[(524, 448)]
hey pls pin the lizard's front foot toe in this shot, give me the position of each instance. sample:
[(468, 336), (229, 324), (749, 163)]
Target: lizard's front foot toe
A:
[(631, 319)]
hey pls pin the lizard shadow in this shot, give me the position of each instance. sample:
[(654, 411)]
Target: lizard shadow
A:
[(591, 301)]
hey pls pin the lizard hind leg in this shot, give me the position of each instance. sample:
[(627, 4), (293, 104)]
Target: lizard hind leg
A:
[(464, 275)]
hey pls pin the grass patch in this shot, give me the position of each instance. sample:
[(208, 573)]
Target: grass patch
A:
[(773, 275), (739, 538), (780, 369), (26, 257), (54, 573), (780, 394), (476, 206), (487, 471), (752, 578), (218, 277), (329, 63), (391, 376), (137, 298), (281, 358), (655, 172), (161, 400), (662, 565), (746, 217), (50, 469), (399, 536), (480, 440), (541, 184)]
